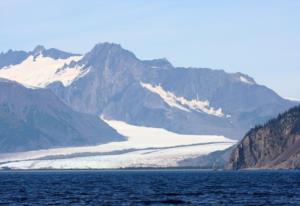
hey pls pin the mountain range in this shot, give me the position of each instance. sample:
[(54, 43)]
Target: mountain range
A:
[(56, 99), (112, 82)]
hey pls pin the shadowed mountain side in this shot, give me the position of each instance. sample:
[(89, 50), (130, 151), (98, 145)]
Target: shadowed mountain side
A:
[(32, 119)]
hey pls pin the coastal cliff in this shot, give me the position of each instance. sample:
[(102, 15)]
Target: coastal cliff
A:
[(275, 145)]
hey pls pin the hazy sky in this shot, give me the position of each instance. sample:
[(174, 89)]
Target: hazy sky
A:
[(259, 38)]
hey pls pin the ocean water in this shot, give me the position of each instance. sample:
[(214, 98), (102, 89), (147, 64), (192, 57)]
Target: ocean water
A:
[(149, 187)]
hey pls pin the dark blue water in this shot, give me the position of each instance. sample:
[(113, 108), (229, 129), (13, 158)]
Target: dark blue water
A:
[(160, 187)]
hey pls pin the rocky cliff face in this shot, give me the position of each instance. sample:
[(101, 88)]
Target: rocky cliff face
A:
[(273, 145)]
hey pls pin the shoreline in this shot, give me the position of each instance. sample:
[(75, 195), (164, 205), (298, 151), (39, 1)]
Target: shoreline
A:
[(171, 169)]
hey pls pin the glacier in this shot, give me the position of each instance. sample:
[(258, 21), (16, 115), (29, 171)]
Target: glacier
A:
[(144, 147)]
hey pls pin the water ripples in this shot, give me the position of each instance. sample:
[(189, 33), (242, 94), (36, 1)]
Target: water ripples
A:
[(155, 187)]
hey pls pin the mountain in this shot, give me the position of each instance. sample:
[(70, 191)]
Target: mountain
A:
[(273, 145), (112, 82), (33, 119)]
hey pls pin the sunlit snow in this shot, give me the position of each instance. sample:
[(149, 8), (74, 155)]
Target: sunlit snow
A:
[(182, 103), (244, 80), (40, 71)]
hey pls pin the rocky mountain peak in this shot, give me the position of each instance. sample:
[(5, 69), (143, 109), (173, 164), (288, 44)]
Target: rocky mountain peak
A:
[(52, 53), (38, 50), (108, 48), (106, 52)]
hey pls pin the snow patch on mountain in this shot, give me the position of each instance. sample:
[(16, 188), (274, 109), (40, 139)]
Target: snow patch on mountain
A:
[(292, 99), (145, 147), (245, 80), (39, 71), (182, 103)]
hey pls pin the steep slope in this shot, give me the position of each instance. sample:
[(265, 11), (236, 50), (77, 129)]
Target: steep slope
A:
[(274, 145), (32, 119), (112, 82)]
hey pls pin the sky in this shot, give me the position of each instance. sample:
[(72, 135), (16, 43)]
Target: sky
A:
[(258, 38)]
